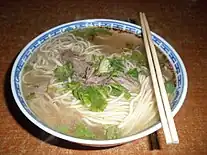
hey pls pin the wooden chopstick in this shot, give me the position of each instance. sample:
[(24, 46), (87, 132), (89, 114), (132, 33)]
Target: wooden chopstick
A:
[(165, 113), (155, 85), (153, 138), (154, 143)]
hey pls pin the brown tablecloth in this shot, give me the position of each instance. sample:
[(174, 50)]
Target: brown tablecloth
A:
[(182, 23)]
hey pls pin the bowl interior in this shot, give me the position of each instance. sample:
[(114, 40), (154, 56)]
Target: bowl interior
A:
[(181, 76)]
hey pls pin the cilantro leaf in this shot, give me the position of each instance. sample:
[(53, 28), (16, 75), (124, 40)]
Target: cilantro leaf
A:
[(112, 132), (91, 97), (62, 129), (27, 67), (73, 85), (117, 64), (104, 66), (104, 90), (81, 131), (170, 87), (63, 72), (118, 89), (133, 73), (91, 32)]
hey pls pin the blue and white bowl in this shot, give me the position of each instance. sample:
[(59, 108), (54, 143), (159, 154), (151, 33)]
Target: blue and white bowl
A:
[(24, 55)]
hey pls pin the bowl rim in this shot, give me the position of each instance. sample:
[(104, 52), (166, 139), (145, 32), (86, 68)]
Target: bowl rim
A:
[(96, 142)]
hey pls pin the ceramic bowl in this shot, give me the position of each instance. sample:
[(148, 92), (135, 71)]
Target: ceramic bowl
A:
[(30, 48)]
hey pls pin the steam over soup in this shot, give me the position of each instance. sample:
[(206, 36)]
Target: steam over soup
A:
[(94, 83)]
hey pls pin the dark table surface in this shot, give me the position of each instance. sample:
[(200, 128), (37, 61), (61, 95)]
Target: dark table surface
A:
[(182, 23)]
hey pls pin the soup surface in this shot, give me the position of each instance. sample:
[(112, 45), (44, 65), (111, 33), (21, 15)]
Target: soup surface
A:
[(94, 83)]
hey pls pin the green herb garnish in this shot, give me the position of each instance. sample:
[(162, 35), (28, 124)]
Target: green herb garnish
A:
[(105, 66), (117, 64), (118, 89), (112, 66), (27, 67), (63, 72), (91, 32), (170, 87), (63, 129), (81, 131), (133, 73), (104, 90), (92, 97), (112, 132), (73, 85)]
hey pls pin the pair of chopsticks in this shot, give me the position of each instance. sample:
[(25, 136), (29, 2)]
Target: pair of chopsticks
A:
[(163, 105)]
